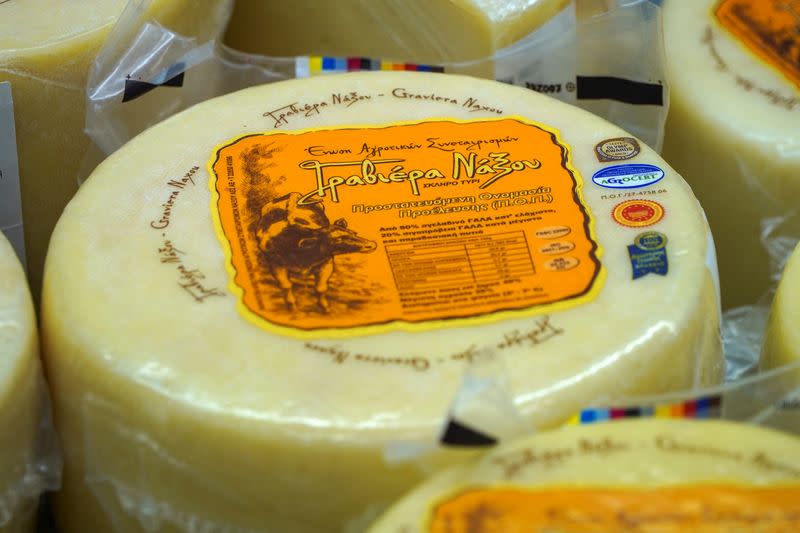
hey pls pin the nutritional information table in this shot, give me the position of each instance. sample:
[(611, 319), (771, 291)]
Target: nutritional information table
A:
[(485, 259)]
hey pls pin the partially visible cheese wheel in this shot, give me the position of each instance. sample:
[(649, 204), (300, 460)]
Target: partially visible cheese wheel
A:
[(642, 475), (19, 393), (733, 127), (46, 49), (418, 31), (249, 302), (782, 339)]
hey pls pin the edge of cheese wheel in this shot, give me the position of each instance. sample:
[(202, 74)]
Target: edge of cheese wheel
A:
[(613, 476), (782, 338), (731, 131), (171, 356), (418, 31), (20, 391)]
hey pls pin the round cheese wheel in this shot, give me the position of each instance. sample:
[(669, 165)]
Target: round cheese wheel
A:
[(641, 475), (419, 31), (46, 50), (782, 339), (281, 283), (732, 130), (19, 393)]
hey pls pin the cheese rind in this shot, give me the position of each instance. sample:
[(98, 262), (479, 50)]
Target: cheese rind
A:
[(20, 393), (610, 473), (782, 338), (732, 134), (171, 359), (420, 31)]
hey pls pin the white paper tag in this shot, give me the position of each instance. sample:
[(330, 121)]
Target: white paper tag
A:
[(10, 200)]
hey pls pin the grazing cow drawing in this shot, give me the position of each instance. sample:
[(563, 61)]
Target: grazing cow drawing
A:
[(299, 241)]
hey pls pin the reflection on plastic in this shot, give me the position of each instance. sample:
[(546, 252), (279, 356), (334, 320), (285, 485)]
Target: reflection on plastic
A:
[(770, 399)]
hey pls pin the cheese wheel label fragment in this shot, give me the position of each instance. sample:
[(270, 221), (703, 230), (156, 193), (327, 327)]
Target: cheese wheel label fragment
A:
[(654, 476), (419, 222), (768, 28), (705, 509)]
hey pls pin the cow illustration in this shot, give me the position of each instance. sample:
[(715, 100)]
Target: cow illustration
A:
[(299, 241)]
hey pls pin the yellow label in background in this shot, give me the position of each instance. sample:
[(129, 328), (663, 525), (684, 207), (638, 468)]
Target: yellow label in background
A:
[(406, 225), (769, 28), (700, 509)]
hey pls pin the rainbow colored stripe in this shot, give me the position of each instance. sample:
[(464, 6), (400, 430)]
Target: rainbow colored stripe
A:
[(706, 407), (314, 65)]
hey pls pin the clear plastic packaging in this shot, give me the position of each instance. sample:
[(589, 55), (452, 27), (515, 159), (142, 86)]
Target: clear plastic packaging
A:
[(609, 61), (46, 49)]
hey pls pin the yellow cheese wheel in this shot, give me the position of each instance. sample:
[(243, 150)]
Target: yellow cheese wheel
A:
[(46, 47), (46, 50), (419, 31), (19, 393), (246, 305), (641, 475), (782, 340), (732, 130)]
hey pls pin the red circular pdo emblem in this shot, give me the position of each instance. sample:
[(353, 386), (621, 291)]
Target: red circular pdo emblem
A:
[(638, 213)]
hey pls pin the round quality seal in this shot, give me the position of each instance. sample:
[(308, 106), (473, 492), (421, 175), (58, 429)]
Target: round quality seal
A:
[(637, 213), (651, 240)]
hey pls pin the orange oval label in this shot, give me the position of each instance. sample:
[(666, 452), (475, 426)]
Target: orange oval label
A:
[(770, 29), (558, 247), (709, 509), (561, 264), (403, 225), (553, 232)]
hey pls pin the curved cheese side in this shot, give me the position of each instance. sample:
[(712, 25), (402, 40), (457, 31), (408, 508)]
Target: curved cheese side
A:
[(19, 390), (419, 32), (46, 50), (171, 357), (732, 134), (585, 473), (782, 340)]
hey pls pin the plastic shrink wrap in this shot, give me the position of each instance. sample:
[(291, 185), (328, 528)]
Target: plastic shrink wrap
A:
[(604, 56), (46, 49), (257, 310)]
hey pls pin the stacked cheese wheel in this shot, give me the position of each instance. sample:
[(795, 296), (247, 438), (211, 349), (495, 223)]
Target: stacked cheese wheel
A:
[(418, 31), (46, 49), (248, 303), (19, 393), (642, 475), (732, 130), (782, 341)]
